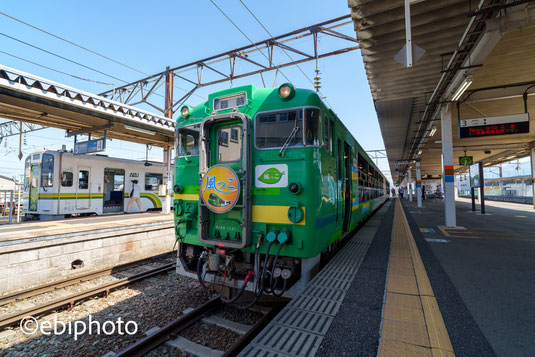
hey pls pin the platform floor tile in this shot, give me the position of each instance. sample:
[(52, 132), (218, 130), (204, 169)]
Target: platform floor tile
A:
[(300, 327)]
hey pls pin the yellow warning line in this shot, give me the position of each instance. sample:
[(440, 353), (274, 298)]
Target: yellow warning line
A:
[(412, 323)]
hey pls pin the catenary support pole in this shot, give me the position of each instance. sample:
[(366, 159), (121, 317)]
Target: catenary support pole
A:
[(418, 183), (447, 159), (168, 151), (410, 184)]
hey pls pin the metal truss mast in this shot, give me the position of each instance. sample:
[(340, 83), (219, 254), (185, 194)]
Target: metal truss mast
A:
[(143, 90), (12, 128)]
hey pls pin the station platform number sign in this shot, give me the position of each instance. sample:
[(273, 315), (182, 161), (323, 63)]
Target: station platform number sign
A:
[(466, 160)]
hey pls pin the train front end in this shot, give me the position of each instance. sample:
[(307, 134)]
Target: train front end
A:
[(240, 213)]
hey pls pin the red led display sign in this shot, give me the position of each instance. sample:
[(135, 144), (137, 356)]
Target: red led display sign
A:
[(489, 130)]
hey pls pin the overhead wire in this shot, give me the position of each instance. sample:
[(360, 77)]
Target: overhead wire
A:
[(63, 58), (55, 70), (88, 50), (286, 52), (247, 37)]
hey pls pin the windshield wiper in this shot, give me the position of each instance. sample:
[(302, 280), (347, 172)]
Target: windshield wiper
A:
[(292, 135)]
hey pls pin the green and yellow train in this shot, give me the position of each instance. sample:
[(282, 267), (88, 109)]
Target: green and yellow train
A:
[(268, 181)]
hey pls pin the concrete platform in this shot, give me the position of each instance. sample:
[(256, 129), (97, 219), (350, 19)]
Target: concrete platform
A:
[(490, 262), (32, 253), (25, 230), (416, 288)]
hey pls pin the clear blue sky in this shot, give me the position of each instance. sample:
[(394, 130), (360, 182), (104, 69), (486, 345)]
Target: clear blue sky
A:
[(152, 35)]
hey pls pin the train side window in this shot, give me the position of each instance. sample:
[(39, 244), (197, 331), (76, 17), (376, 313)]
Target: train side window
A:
[(83, 180), (47, 170), (66, 179), (229, 146), (312, 126), (328, 134), (188, 140), (152, 181)]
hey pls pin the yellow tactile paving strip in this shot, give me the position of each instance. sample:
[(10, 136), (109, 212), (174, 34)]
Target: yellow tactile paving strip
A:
[(412, 324)]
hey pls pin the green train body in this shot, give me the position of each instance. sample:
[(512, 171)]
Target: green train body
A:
[(275, 146)]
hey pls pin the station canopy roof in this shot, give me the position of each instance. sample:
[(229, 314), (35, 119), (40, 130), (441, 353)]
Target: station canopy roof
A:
[(491, 43), (32, 99)]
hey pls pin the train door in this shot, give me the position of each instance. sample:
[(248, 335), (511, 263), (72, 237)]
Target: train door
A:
[(34, 187), (224, 167), (347, 186), (83, 189), (113, 190)]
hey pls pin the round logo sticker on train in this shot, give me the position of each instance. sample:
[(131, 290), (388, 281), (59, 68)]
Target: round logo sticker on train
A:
[(220, 188)]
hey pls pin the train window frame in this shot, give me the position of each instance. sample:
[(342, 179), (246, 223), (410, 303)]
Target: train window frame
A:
[(152, 175), (229, 135), (64, 181), (88, 178), (47, 171), (302, 142), (192, 127)]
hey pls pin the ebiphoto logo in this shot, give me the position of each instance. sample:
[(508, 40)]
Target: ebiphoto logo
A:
[(29, 326)]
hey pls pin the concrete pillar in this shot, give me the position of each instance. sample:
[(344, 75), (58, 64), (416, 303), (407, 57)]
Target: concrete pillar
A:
[(410, 184), (418, 184), (167, 178), (533, 174), (447, 159)]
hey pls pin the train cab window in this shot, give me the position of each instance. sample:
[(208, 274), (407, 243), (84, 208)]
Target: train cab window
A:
[(152, 181), (66, 179), (27, 168), (229, 147), (312, 127), (83, 180), (273, 129), (47, 170), (188, 140)]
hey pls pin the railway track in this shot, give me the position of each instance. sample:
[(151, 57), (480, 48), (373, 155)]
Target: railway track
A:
[(70, 300), (172, 329)]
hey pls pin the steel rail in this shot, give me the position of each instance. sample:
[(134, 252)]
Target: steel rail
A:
[(23, 294), (16, 317), (150, 342)]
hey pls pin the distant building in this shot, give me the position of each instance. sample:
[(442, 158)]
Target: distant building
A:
[(7, 183)]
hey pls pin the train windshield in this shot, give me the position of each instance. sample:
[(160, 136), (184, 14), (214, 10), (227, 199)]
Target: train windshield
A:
[(47, 170), (289, 128), (188, 140)]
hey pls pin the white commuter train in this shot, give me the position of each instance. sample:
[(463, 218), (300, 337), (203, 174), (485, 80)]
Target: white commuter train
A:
[(59, 184)]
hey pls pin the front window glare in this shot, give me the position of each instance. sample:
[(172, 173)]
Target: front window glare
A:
[(274, 129), (47, 170), (188, 141)]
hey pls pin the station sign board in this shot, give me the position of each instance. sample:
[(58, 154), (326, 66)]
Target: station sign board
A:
[(476, 175), (489, 126), (90, 146), (466, 160)]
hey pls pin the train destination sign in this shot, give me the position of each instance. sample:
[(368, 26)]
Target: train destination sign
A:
[(466, 160), (488, 126)]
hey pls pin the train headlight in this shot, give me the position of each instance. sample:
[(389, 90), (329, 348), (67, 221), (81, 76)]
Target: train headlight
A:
[(286, 274), (178, 189), (286, 91), (295, 188), (185, 111)]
